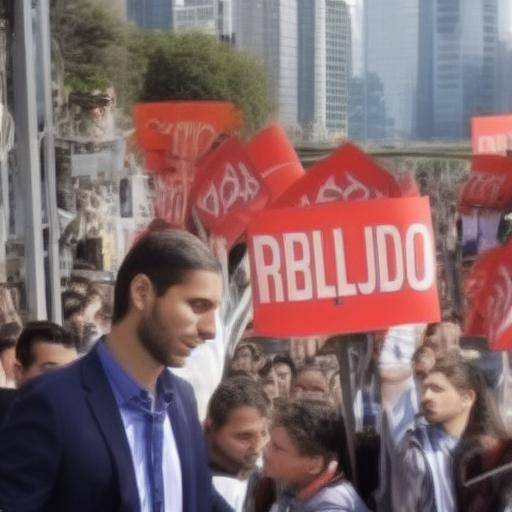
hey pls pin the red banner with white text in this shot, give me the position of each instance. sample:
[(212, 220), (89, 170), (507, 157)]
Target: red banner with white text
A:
[(343, 267), (227, 191), (348, 174), (174, 136), (490, 297), (491, 135), (489, 184)]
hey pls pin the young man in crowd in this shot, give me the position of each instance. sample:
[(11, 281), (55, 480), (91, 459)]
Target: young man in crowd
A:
[(310, 383), (41, 346), (307, 455), (116, 430), (9, 333), (450, 394), (236, 432), (284, 370)]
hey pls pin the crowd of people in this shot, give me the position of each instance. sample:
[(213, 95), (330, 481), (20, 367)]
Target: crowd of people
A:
[(115, 428)]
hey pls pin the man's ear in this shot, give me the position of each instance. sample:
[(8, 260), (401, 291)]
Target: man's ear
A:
[(141, 292), (468, 397)]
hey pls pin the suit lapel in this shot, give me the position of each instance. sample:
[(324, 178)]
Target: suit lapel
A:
[(106, 412), (183, 439)]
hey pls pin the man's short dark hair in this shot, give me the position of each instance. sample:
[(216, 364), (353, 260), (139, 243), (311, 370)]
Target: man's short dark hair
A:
[(236, 392), (9, 333), (315, 428), (255, 352), (45, 331), (72, 303), (284, 359), (165, 257)]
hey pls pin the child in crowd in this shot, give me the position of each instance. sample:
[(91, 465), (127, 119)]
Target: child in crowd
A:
[(307, 455)]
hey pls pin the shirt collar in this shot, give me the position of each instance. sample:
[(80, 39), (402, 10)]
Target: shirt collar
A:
[(126, 389)]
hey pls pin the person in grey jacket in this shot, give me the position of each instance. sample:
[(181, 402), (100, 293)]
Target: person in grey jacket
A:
[(307, 456)]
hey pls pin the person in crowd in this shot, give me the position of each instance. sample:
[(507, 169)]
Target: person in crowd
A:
[(73, 313), (442, 337), (79, 284), (310, 383), (450, 402), (92, 316), (268, 380), (41, 346), (97, 435), (236, 431), (9, 333), (247, 358), (284, 370), (307, 455), (483, 457)]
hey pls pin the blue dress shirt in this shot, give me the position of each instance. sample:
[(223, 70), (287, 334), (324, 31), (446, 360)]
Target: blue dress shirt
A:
[(149, 435)]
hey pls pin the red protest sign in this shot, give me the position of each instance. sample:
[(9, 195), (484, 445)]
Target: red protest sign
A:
[(275, 159), (343, 267), (490, 290), (489, 184), (185, 129), (348, 174), (476, 290), (491, 135), (227, 191)]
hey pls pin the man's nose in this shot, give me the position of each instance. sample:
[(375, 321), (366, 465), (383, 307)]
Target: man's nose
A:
[(206, 325)]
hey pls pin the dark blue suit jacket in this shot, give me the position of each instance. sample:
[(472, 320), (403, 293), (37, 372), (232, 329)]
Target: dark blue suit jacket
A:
[(63, 447)]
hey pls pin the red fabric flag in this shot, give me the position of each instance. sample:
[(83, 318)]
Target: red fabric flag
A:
[(227, 191), (489, 184), (275, 159)]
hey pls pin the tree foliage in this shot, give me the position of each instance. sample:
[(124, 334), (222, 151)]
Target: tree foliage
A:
[(92, 42), (98, 50), (195, 66)]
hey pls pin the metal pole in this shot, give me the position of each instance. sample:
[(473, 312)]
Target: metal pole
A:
[(27, 155), (50, 182), (348, 400)]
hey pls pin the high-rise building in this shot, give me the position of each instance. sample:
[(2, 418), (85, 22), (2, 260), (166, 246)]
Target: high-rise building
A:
[(195, 15), (324, 59), (268, 29), (465, 55), (391, 56), (150, 14)]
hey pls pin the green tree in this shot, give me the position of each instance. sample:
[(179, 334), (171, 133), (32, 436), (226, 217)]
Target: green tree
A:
[(92, 43), (195, 66)]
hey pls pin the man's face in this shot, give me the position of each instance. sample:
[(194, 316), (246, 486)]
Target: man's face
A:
[(237, 445), (243, 360), (441, 401), (76, 323), (283, 462), (8, 362), (92, 320), (181, 319), (310, 384), (283, 378), (46, 356)]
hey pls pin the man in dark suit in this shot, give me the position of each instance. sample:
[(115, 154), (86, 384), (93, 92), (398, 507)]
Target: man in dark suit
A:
[(116, 431), (41, 347)]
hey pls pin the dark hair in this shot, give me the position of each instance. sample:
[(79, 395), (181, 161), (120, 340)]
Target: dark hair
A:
[(255, 352), (165, 257), (284, 359), (9, 333), (316, 428), (38, 331), (72, 303), (236, 392), (79, 284), (464, 376)]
